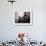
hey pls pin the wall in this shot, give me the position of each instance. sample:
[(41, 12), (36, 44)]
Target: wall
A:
[(9, 31)]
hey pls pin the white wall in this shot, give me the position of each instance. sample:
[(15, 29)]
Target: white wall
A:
[(9, 31)]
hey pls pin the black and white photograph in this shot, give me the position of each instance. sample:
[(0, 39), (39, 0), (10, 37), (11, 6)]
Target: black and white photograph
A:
[(23, 18)]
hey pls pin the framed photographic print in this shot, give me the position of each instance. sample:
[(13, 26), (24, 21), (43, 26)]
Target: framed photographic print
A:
[(23, 18)]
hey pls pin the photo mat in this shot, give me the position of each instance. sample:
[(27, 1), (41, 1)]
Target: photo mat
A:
[(23, 17)]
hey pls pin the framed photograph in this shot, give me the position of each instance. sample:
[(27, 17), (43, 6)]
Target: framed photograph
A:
[(23, 18)]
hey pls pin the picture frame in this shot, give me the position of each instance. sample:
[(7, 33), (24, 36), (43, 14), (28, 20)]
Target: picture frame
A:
[(21, 20)]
